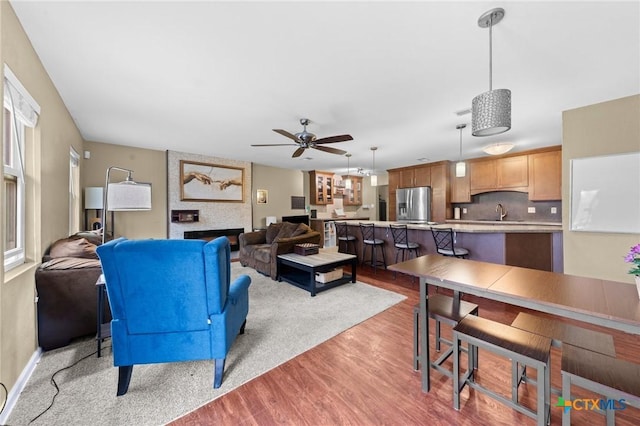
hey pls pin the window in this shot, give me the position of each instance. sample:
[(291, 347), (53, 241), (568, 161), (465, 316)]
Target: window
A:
[(20, 111), (13, 190), (74, 191)]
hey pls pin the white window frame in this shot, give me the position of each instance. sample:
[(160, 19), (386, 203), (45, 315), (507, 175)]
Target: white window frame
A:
[(23, 112), (14, 167), (74, 191)]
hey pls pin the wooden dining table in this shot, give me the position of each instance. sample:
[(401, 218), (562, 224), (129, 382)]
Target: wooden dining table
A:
[(611, 304)]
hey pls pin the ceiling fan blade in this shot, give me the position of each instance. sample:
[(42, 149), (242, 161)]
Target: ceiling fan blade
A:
[(276, 144), (331, 150), (298, 152), (286, 134), (334, 139)]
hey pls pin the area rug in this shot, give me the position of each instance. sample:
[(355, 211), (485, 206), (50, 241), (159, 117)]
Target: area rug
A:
[(283, 322)]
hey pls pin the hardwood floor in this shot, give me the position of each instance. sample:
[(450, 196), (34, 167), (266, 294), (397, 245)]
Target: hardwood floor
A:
[(365, 376)]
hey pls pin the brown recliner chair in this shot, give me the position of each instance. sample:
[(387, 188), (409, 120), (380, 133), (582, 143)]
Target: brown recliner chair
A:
[(260, 249)]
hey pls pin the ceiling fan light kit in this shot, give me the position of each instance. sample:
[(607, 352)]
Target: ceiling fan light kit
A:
[(491, 111), (498, 148), (304, 140)]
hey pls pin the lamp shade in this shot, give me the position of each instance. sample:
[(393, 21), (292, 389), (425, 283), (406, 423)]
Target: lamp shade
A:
[(93, 197), (461, 169), (129, 196), (374, 180), (491, 113)]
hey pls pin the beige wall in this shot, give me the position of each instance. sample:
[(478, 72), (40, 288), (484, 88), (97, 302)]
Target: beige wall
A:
[(606, 128), (148, 166), (281, 184), (47, 171)]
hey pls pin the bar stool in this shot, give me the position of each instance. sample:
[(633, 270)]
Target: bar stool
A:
[(441, 309), (401, 241), (369, 240), (444, 240), (615, 379), (342, 230), (517, 345)]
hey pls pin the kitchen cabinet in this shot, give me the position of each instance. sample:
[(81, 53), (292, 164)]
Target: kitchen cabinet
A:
[(392, 207), (529, 250), (321, 187), (415, 176), (507, 173), (545, 176), (394, 180), (440, 199), (460, 190), (353, 196)]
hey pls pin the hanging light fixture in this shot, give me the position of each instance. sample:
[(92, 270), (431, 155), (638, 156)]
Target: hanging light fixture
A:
[(491, 111), (498, 148), (347, 182), (374, 178), (461, 166)]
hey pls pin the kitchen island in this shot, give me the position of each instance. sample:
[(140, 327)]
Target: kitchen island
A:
[(536, 245)]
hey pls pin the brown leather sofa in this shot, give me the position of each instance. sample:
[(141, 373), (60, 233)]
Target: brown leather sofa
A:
[(260, 249), (66, 288)]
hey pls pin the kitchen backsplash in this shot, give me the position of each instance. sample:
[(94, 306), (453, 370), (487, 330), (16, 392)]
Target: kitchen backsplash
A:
[(516, 204)]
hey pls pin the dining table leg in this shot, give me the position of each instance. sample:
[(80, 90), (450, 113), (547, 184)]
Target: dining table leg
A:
[(424, 338)]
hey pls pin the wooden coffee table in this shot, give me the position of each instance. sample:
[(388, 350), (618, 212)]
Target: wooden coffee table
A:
[(301, 270)]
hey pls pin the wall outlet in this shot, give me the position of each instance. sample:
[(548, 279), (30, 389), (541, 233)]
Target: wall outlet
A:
[(464, 210), (554, 210), (531, 210)]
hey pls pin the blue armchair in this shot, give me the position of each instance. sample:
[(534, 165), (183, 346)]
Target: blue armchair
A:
[(172, 300)]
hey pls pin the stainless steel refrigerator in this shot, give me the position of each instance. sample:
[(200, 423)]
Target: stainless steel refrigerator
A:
[(413, 204)]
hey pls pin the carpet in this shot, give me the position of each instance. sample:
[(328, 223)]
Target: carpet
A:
[(283, 322)]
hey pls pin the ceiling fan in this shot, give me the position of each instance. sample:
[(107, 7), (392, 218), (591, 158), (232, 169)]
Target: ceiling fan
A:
[(304, 140)]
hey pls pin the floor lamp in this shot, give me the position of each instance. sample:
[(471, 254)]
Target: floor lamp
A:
[(124, 196)]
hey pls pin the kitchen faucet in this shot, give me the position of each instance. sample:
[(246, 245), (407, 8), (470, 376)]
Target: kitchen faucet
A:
[(500, 209)]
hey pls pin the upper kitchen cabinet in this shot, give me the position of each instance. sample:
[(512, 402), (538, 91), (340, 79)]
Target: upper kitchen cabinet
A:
[(353, 196), (440, 189), (321, 187), (499, 174), (460, 190), (545, 176), (413, 177), (394, 180)]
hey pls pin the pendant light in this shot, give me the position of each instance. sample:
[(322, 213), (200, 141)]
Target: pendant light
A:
[(461, 166), (374, 178), (347, 182), (491, 111)]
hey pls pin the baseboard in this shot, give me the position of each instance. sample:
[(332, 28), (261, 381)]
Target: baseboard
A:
[(21, 383)]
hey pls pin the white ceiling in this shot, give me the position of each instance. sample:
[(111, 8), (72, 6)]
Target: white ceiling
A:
[(212, 78)]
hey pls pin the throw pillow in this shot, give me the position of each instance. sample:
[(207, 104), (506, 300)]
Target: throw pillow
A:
[(286, 231), (301, 230), (272, 232), (78, 247)]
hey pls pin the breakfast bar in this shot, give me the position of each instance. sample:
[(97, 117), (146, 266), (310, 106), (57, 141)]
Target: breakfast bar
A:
[(600, 302)]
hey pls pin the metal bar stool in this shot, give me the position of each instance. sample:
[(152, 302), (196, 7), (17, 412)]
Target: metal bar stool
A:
[(342, 230), (445, 241), (369, 240), (402, 244)]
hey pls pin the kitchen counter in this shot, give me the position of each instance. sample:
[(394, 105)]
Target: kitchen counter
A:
[(479, 226), (535, 245)]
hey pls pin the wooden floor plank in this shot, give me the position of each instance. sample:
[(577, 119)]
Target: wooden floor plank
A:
[(365, 376)]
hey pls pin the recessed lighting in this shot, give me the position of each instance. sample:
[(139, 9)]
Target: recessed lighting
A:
[(423, 159)]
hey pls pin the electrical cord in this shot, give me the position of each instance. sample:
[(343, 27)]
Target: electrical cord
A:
[(55, 385)]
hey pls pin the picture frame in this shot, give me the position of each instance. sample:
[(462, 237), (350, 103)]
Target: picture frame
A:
[(211, 182), (262, 196)]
